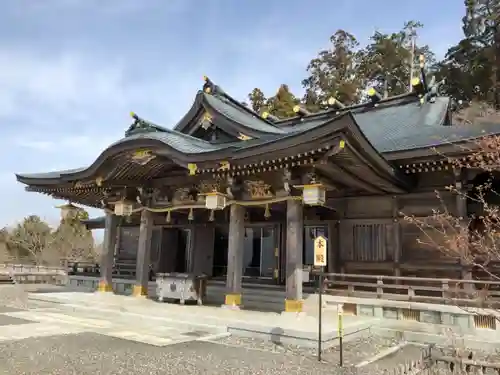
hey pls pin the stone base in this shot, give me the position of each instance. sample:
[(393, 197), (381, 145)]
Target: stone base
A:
[(293, 305), (104, 287), (233, 299), (139, 291)]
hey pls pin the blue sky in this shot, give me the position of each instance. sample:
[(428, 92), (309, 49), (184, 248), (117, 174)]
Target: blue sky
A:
[(72, 70)]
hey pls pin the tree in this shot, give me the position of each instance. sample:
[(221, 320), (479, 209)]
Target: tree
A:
[(481, 26), (281, 105), (472, 67), (472, 239), (35, 239), (257, 100), (31, 238), (387, 60), (72, 240), (334, 72)]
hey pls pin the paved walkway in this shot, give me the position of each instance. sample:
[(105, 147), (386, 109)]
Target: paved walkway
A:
[(210, 316), (52, 319)]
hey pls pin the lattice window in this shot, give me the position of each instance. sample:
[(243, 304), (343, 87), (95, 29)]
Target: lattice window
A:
[(370, 242), (485, 321)]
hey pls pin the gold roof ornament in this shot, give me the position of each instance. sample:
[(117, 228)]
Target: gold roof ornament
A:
[(266, 115), (224, 166), (244, 137), (374, 95), (334, 102), (301, 111), (193, 168)]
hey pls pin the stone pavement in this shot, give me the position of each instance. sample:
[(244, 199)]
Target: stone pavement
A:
[(60, 320), (78, 333), (213, 318)]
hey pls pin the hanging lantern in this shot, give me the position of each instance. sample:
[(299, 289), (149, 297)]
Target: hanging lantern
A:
[(215, 201), (314, 194), (123, 208)]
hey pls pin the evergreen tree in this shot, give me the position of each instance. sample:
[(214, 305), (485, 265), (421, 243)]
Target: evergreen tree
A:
[(387, 59), (335, 72), (281, 105), (257, 100), (472, 67)]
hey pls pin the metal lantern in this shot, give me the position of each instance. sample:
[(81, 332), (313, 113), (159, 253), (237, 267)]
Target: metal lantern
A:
[(215, 201), (314, 194), (123, 208)]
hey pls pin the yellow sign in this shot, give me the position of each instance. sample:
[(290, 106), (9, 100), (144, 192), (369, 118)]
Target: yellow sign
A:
[(320, 246)]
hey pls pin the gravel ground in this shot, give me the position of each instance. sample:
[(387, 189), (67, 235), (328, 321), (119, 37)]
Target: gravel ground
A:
[(96, 354), (354, 351)]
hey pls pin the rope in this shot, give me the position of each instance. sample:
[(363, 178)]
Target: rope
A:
[(202, 206)]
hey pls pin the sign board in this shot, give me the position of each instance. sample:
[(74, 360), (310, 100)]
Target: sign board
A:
[(320, 247)]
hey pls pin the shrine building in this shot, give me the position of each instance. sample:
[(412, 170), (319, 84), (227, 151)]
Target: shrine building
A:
[(240, 196)]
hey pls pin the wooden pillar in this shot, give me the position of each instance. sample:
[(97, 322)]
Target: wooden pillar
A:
[(143, 254), (235, 255), (108, 253), (396, 238), (294, 244), (461, 202)]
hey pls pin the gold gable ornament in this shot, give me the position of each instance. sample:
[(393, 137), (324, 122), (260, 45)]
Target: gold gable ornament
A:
[(142, 157), (206, 121)]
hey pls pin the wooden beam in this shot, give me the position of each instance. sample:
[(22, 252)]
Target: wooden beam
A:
[(345, 177)]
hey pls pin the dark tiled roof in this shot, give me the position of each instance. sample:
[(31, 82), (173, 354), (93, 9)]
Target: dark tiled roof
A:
[(241, 115), (54, 174), (181, 142), (392, 126), (396, 124)]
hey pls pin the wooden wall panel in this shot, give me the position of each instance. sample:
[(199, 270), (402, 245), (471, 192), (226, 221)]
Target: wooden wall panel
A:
[(369, 207), (129, 239), (203, 239)]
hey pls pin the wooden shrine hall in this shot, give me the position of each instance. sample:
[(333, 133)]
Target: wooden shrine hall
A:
[(237, 195)]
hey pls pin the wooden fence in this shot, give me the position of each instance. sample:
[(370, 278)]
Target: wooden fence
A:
[(417, 289), (122, 269), (432, 362), (455, 363)]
